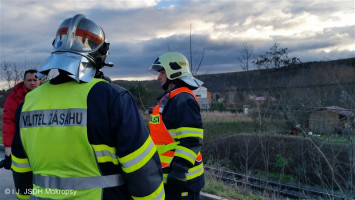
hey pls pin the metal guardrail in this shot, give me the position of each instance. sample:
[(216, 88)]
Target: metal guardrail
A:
[(272, 188), (205, 196)]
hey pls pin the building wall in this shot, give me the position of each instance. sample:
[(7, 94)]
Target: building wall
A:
[(324, 122), (200, 92), (203, 97)]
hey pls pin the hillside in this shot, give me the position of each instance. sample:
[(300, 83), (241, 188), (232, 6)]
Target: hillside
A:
[(237, 84), (320, 82), (301, 75)]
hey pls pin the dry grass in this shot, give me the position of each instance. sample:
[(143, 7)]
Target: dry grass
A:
[(216, 116), (213, 116), (215, 186)]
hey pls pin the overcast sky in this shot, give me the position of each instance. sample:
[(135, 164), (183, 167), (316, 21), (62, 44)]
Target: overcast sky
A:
[(140, 30)]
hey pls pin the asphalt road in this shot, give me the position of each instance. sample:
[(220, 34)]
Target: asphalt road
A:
[(7, 188)]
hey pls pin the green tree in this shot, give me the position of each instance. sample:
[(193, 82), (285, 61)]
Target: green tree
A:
[(145, 97), (275, 58)]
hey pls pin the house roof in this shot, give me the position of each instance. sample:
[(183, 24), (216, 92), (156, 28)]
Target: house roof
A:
[(337, 109)]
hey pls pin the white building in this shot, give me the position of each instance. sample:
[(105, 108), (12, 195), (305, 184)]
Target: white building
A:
[(203, 97)]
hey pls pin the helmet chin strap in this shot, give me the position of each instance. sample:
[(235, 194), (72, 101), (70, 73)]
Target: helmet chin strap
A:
[(166, 84)]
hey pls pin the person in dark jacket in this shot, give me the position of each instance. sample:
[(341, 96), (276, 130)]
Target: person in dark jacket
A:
[(17, 95), (79, 136), (176, 128)]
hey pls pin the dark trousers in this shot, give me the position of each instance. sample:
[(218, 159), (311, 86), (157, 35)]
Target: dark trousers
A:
[(180, 193)]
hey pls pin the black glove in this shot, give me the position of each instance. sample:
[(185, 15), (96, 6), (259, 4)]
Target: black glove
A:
[(6, 163), (177, 177)]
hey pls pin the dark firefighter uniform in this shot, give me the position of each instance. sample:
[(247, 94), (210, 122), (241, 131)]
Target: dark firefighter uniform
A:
[(176, 129), (91, 144)]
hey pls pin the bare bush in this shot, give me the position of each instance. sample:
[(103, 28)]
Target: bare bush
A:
[(302, 161), (10, 75)]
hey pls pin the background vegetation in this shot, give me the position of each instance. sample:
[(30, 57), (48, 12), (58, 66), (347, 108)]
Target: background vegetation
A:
[(257, 143)]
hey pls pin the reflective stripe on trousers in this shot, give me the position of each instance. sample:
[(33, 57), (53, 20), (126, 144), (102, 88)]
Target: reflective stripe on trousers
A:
[(77, 183)]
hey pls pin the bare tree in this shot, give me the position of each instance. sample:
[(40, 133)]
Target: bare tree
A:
[(247, 153), (265, 148), (17, 74), (194, 69), (245, 56), (10, 74), (6, 74)]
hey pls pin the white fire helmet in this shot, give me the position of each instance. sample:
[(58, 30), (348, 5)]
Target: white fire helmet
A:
[(80, 49), (176, 66)]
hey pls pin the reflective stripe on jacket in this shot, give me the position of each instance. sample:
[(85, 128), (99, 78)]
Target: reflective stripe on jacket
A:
[(116, 132), (167, 141), (53, 137)]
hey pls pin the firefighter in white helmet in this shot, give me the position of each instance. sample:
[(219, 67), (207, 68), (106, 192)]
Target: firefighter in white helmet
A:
[(176, 128), (80, 137)]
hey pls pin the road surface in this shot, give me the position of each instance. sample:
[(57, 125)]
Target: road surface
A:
[(7, 188)]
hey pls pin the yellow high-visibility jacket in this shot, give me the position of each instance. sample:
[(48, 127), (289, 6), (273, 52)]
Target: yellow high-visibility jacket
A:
[(84, 141)]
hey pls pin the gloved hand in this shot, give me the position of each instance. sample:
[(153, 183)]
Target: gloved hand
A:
[(177, 177), (6, 163)]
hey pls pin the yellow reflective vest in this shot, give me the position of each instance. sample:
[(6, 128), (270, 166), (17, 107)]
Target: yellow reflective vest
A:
[(60, 132)]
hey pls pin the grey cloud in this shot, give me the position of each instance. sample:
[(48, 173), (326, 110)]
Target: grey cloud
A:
[(133, 31)]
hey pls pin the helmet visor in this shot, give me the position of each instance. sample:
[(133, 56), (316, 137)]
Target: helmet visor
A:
[(82, 41), (156, 66), (82, 36), (154, 69)]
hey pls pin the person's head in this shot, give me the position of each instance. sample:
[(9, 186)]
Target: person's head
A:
[(80, 48), (174, 69), (30, 80)]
